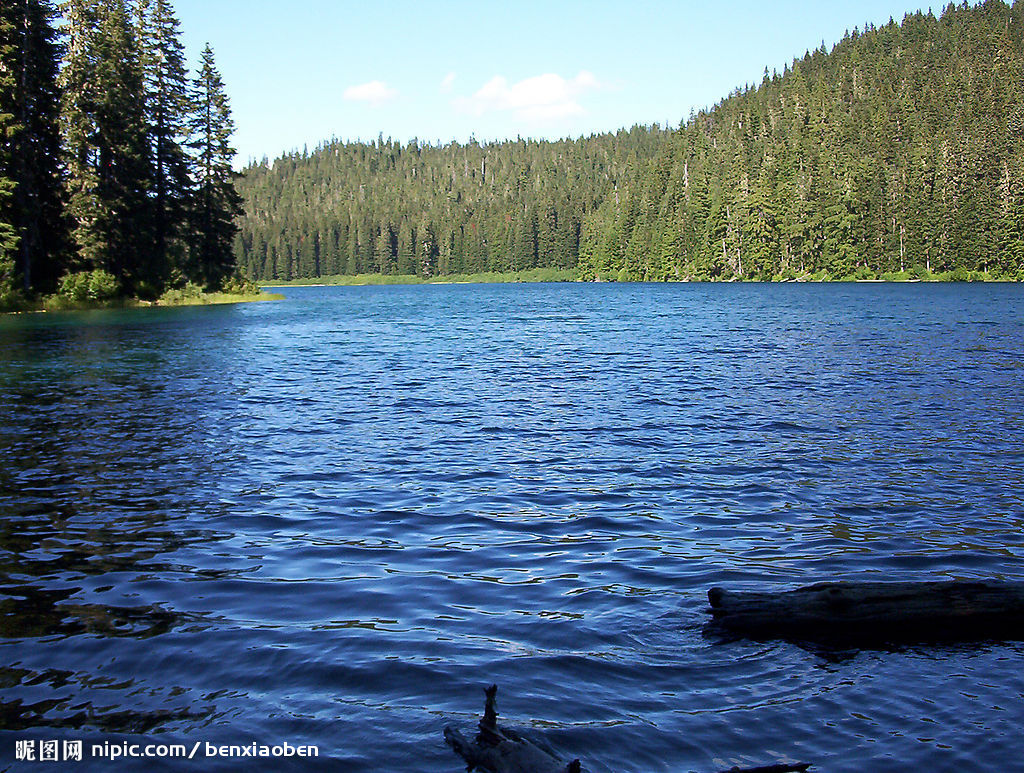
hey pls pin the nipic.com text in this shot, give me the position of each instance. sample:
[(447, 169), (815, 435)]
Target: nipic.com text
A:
[(31, 750)]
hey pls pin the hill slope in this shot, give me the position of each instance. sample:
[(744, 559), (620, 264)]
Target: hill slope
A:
[(352, 208), (899, 150)]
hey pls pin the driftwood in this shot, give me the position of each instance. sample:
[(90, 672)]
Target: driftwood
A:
[(501, 750), (874, 612)]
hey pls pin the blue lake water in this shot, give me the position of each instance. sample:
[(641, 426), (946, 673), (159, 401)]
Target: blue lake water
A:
[(333, 519)]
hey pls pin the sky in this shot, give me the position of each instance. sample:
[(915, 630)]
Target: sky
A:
[(305, 71)]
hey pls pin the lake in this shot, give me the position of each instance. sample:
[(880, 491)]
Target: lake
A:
[(333, 519)]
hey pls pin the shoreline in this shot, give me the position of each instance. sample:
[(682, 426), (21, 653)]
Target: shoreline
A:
[(373, 282), (120, 304)]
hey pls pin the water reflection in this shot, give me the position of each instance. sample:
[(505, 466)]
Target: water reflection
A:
[(107, 455)]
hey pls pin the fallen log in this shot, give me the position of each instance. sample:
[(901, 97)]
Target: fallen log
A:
[(868, 613), (502, 750)]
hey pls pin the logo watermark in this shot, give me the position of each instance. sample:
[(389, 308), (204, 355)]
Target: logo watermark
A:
[(32, 750)]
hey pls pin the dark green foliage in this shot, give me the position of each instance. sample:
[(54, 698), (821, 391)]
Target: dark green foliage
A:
[(142, 207), (899, 151), (124, 176), (95, 174), (216, 202), (8, 130), (167, 108), (78, 130), (105, 137), (429, 209), (31, 152)]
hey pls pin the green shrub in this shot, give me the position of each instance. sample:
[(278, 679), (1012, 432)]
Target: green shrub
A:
[(178, 295), (97, 285), (11, 299), (236, 284)]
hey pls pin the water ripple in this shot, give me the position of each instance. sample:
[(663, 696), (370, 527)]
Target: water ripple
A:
[(332, 519)]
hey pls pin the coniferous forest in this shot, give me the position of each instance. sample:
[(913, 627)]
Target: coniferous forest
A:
[(115, 165), (897, 154)]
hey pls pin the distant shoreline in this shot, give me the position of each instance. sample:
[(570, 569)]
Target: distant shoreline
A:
[(494, 277), (553, 275)]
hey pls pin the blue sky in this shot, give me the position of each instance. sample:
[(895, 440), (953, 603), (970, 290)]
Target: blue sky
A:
[(301, 72)]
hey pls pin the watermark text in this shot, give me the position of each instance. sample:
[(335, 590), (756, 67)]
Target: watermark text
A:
[(33, 750)]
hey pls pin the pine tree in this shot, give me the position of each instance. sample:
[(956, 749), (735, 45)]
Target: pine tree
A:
[(78, 131), (167, 111), (104, 132), (35, 148), (124, 171), (216, 202), (8, 130)]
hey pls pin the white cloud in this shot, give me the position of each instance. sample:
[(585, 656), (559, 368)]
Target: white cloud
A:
[(543, 97), (447, 83), (374, 92)]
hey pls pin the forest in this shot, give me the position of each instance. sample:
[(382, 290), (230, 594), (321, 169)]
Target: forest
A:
[(115, 165), (897, 154)]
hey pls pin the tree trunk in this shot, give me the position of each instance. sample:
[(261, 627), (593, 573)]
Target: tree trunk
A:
[(874, 612)]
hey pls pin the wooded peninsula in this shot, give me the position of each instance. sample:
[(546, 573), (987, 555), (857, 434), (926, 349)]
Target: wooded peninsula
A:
[(896, 155), (116, 180)]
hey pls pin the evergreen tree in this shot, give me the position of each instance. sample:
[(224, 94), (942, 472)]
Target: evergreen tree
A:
[(35, 147), (898, 150), (43, 221), (124, 172), (104, 130), (478, 207), (78, 132), (93, 169), (29, 149), (216, 203), (168, 107), (8, 130)]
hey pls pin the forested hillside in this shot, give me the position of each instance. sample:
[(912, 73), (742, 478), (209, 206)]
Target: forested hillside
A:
[(897, 153), (900, 149), (383, 207)]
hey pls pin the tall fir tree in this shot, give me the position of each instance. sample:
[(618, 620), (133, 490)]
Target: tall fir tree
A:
[(8, 130), (124, 171), (38, 209), (78, 132), (105, 142), (167, 111), (216, 203)]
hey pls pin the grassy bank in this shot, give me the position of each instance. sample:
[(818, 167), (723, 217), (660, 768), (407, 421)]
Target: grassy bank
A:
[(185, 298), (532, 275), (169, 299)]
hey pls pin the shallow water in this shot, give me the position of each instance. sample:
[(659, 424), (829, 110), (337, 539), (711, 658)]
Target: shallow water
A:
[(331, 520)]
